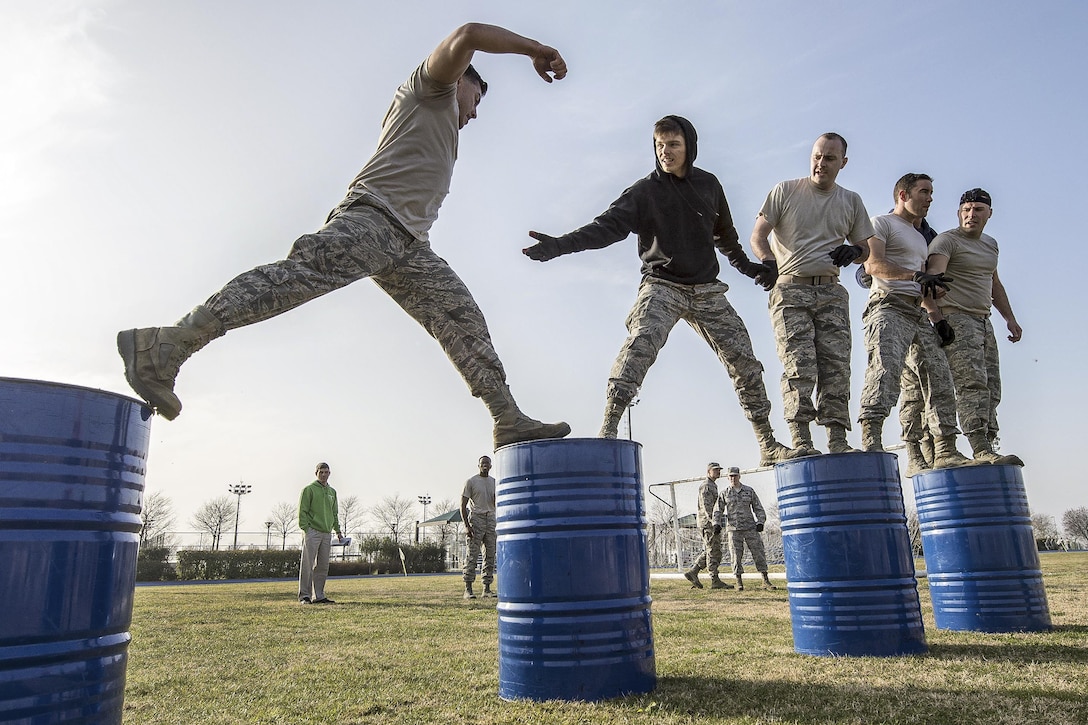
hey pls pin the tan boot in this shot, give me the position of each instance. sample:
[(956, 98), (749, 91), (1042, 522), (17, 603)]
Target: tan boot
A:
[(926, 444), (740, 583), (717, 583), (872, 434), (916, 460), (513, 426), (468, 591), (802, 438), (945, 454), (613, 414), (984, 451), (836, 439), (154, 355), (770, 450), (767, 582), (692, 575)]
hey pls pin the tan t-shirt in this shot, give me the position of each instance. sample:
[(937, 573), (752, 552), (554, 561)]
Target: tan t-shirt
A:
[(480, 492), (809, 223), (903, 245), (971, 265), (410, 172)]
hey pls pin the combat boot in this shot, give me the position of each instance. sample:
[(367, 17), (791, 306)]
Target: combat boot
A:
[(767, 582), (836, 439), (945, 454), (154, 355), (740, 583), (487, 593), (916, 460), (802, 438), (468, 591), (872, 434), (984, 452), (717, 583), (770, 450), (513, 426), (613, 414), (926, 444), (692, 575)]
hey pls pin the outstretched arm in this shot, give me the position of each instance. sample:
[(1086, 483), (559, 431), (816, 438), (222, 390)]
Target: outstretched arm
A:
[(447, 62)]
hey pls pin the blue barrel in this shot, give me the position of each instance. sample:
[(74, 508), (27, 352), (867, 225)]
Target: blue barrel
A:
[(72, 464), (981, 559), (573, 572), (849, 566)]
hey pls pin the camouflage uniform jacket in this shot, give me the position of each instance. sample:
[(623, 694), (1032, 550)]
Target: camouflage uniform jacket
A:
[(739, 505), (708, 513)]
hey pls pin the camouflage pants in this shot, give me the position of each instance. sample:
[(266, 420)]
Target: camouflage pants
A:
[(897, 334), (911, 402), (659, 306), (366, 242), (976, 371), (812, 332), (750, 537), (483, 534), (711, 556)]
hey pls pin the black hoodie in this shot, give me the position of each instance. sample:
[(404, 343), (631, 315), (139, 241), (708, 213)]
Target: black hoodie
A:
[(679, 222)]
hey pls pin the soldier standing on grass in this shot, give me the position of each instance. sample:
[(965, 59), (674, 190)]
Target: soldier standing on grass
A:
[(318, 517), (709, 517), (478, 513), (744, 518)]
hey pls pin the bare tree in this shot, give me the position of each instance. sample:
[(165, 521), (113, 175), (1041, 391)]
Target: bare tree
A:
[(914, 531), (394, 514), (351, 515), (213, 517), (447, 533), (157, 517), (284, 518), (1075, 523), (1045, 531)]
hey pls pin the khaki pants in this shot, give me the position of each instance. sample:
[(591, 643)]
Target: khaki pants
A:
[(313, 570)]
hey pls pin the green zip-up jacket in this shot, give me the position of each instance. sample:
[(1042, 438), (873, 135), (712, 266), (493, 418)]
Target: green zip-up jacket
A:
[(317, 509)]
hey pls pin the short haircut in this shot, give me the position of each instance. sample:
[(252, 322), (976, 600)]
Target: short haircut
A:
[(907, 182), (473, 75), (320, 466), (832, 136), (668, 125)]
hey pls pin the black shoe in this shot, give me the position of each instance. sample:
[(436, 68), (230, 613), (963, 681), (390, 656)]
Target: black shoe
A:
[(324, 600), (304, 600)]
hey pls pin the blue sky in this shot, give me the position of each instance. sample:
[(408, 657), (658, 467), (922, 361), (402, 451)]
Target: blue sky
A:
[(151, 150)]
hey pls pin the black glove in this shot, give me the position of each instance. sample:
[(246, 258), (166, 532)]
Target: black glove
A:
[(769, 275), (930, 283), (717, 529), (945, 332), (545, 248), (844, 254), (759, 527)]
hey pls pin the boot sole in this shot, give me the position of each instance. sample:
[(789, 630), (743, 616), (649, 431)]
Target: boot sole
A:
[(126, 346), (545, 432)]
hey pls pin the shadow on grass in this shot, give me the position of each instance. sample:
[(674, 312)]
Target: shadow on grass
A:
[(1042, 652), (716, 697)]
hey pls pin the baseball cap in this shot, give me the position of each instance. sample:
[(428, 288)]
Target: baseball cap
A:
[(733, 471), (713, 464), (976, 194)]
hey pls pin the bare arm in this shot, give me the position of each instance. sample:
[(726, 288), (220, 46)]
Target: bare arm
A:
[(937, 264), (1001, 303), (447, 62), (761, 239), (878, 265), (464, 515)]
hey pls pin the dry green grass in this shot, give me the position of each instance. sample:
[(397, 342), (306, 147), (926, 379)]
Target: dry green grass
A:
[(399, 650)]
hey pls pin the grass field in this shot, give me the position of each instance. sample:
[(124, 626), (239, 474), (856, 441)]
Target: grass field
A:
[(410, 650)]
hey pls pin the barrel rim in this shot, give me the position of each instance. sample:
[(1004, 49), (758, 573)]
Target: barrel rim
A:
[(72, 386)]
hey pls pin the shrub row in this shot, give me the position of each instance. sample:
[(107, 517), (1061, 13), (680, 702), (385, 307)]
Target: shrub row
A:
[(377, 556)]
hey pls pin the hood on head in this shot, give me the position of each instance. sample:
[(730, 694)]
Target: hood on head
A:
[(691, 141)]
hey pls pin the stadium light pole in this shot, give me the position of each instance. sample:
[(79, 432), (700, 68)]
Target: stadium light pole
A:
[(238, 489), (268, 534), (425, 500), (630, 432)]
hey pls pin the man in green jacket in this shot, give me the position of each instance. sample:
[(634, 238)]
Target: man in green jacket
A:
[(318, 518)]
